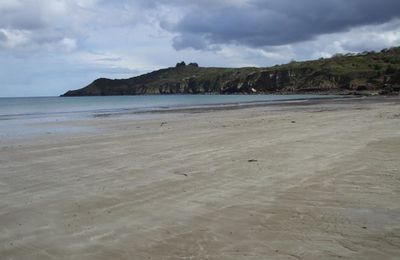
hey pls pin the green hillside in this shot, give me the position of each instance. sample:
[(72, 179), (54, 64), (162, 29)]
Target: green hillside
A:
[(363, 73)]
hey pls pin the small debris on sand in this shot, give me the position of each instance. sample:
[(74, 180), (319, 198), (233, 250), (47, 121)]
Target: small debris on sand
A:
[(252, 160), (184, 174)]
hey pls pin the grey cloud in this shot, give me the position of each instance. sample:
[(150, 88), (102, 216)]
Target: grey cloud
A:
[(110, 59), (3, 37), (32, 25), (46, 23), (22, 21), (21, 16), (272, 23), (193, 40)]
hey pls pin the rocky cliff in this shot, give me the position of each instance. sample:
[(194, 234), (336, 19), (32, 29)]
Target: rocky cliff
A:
[(367, 72)]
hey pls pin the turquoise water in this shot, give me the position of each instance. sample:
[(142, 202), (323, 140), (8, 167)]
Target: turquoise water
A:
[(19, 116)]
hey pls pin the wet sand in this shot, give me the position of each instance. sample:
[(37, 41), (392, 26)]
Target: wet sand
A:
[(316, 180)]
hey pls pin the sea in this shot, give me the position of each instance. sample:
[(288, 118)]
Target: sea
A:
[(24, 116)]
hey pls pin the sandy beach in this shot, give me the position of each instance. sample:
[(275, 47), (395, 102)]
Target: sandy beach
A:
[(317, 180)]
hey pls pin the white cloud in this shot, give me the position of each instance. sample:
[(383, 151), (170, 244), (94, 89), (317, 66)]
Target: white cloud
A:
[(68, 44), (12, 38)]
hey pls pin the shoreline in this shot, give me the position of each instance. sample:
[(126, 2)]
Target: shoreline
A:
[(255, 104), (194, 108), (159, 108), (61, 124)]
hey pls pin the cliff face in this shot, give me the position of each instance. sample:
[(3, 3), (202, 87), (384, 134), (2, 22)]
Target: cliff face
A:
[(366, 72)]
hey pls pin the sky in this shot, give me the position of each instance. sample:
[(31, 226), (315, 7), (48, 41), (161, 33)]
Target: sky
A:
[(50, 46)]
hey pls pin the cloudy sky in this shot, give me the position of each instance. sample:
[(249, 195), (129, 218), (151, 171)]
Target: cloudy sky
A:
[(50, 46)]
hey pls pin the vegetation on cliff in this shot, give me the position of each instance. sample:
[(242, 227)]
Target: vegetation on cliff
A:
[(367, 72)]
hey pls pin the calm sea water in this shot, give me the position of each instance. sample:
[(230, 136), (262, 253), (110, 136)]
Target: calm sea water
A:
[(13, 108), (19, 116)]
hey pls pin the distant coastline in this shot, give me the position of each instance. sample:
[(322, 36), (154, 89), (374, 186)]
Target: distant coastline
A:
[(367, 73)]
